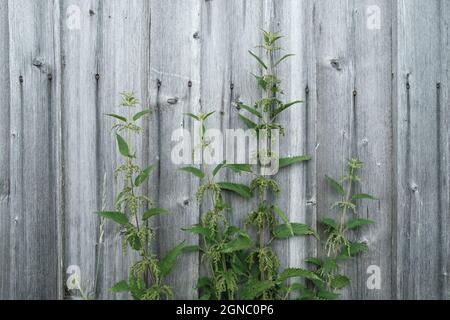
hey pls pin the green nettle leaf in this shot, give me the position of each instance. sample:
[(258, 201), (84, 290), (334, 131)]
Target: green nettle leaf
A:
[(117, 217), (314, 261), (196, 172), (283, 58), (240, 189), (206, 116), (154, 212), (249, 123), (327, 295), (121, 286), (361, 196), (356, 223), (336, 185), (198, 229), (116, 116), (330, 223), (238, 168), (218, 168), (284, 107), (123, 146), (242, 242), (282, 231), (358, 247), (339, 282), (251, 110), (329, 265), (193, 116), (286, 162), (139, 115), (255, 288), (135, 242), (188, 249), (140, 179), (258, 59), (297, 272), (167, 263), (285, 219)]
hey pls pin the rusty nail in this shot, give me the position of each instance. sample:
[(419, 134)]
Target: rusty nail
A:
[(190, 84), (97, 77)]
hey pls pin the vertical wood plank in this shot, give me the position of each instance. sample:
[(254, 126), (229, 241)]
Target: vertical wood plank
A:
[(420, 152), (123, 66), (81, 124), (5, 137), (175, 60), (34, 103)]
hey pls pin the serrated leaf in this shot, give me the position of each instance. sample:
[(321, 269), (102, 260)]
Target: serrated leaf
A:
[(251, 110), (166, 264), (339, 282), (242, 242), (140, 179), (258, 59), (117, 217), (153, 212), (116, 116), (139, 115), (283, 108), (329, 265), (356, 223), (336, 185), (358, 247), (314, 261), (297, 272), (330, 223), (286, 162), (285, 219), (240, 189), (193, 116), (249, 123), (283, 58), (255, 288), (282, 231), (198, 229), (361, 196), (327, 295), (196, 172), (121, 286), (194, 248), (218, 168), (123, 146), (238, 168)]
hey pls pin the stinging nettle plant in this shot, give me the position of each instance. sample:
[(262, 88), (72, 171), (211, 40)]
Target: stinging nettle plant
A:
[(337, 244), (133, 211)]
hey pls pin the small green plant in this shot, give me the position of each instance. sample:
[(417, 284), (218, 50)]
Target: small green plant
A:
[(133, 210), (337, 245), (270, 223), (221, 244)]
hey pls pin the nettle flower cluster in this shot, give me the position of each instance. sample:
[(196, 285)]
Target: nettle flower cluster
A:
[(240, 261)]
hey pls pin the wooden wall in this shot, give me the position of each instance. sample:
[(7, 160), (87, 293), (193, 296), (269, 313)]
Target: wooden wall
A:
[(374, 75)]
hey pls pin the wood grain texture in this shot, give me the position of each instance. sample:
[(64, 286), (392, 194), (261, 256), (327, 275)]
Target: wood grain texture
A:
[(33, 238), (377, 93), (174, 61), (422, 195), (5, 138)]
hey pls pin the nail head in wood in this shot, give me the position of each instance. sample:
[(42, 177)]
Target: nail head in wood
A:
[(97, 77), (190, 84), (21, 79), (50, 77)]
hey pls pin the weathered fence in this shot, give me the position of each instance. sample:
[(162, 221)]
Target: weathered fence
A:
[(374, 75)]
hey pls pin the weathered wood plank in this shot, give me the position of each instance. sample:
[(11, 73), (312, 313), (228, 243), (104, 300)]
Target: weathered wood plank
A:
[(5, 137), (123, 66), (81, 123), (33, 245), (420, 153), (175, 60)]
